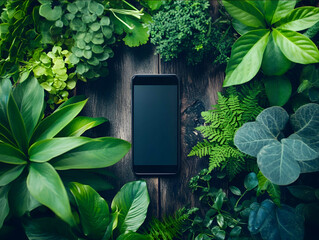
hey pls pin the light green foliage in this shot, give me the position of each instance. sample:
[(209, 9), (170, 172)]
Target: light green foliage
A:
[(232, 110), (269, 22), (31, 153), (281, 160), (184, 28)]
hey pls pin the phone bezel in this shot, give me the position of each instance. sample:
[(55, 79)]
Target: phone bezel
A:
[(156, 79)]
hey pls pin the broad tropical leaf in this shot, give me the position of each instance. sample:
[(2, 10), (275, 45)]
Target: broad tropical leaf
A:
[(244, 12), (11, 155), (29, 97), (5, 89), (246, 57), (54, 123), (4, 204), (278, 89), (133, 236), (8, 173), (283, 8), (93, 209), (46, 187), (266, 7), (45, 150), (132, 201), (300, 19), (99, 153), (75, 99), (296, 47), (6, 136), (240, 27)]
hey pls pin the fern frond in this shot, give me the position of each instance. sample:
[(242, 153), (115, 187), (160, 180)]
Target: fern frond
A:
[(201, 149)]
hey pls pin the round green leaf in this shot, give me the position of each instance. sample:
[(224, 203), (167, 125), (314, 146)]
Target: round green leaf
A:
[(97, 40), (235, 232), (72, 8), (77, 52), (235, 190), (51, 14), (278, 90), (93, 61), (105, 21), (95, 7), (95, 26), (87, 54), (251, 181), (97, 49), (77, 25), (107, 32), (74, 59)]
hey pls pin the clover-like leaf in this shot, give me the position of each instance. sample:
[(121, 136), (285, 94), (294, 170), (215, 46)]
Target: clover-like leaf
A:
[(51, 14)]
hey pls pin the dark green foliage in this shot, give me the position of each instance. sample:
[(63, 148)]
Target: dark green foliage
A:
[(184, 28), (233, 109)]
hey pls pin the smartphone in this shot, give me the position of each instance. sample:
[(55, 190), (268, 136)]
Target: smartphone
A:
[(155, 124)]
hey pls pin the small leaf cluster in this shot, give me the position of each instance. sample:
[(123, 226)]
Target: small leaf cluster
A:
[(233, 109), (184, 29), (309, 83)]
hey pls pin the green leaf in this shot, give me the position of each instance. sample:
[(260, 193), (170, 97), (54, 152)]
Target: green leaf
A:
[(53, 124), (93, 209), (47, 228), (5, 89), (251, 181), (9, 173), (219, 201), (267, 8), (299, 19), (273, 190), (29, 97), (105, 21), (51, 14), (278, 90), (4, 204), (72, 8), (245, 13), (235, 232), (79, 125), (283, 8), (241, 28), (219, 234), (235, 190), (17, 125), (11, 155), (133, 236), (46, 187), (304, 193), (296, 47), (95, 26), (96, 8), (246, 57), (99, 153), (132, 202), (220, 220), (75, 99), (45, 150)]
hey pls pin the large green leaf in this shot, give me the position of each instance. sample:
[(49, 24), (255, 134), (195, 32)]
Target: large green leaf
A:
[(299, 19), (53, 124), (75, 99), (6, 136), (79, 125), (99, 153), (46, 187), (273, 190), (4, 204), (45, 150), (11, 155), (266, 7), (133, 236), (246, 57), (283, 8), (8, 173), (132, 202), (5, 89), (17, 125), (93, 209), (309, 166), (296, 47), (240, 27), (278, 89), (29, 97), (244, 12)]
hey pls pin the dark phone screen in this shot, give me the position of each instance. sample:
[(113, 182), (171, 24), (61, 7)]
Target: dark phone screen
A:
[(155, 127)]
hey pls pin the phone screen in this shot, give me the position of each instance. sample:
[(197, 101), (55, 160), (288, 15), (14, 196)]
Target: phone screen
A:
[(155, 124)]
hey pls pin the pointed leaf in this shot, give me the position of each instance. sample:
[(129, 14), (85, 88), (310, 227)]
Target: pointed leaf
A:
[(9, 173), (29, 97), (11, 155), (99, 153), (17, 125), (53, 124), (6, 136), (4, 204), (79, 125), (266, 7), (246, 57), (241, 28), (46, 187), (278, 89), (45, 150), (132, 202), (93, 209), (283, 8), (75, 99), (300, 19), (5, 89), (251, 181), (296, 47), (245, 13)]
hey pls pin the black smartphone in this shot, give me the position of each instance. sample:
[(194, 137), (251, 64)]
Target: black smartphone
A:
[(155, 124)]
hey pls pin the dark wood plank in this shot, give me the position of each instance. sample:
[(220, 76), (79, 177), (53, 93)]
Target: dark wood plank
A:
[(110, 97), (199, 87)]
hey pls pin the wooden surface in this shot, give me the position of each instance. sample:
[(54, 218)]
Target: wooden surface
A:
[(110, 97)]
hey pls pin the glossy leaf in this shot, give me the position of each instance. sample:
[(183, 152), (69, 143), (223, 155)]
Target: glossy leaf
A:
[(93, 209), (53, 124), (5, 89), (132, 202), (299, 19), (8, 173), (11, 155), (46, 187), (29, 97), (17, 125), (240, 27), (133, 236), (278, 90), (45, 150), (244, 12), (219, 201), (6, 136), (75, 99), (246, 57), (251, 181), (296, 47), (4, 204), (99, 153), (235, 190), (283, 9)]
